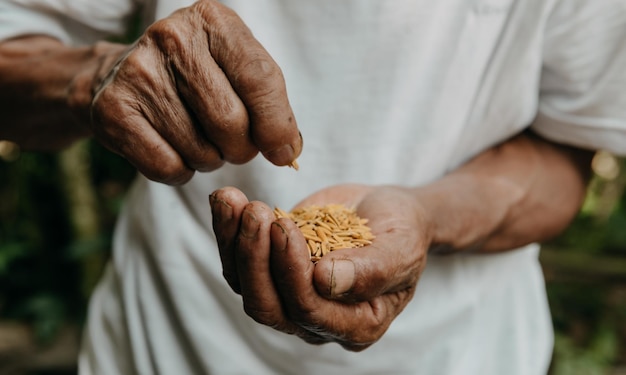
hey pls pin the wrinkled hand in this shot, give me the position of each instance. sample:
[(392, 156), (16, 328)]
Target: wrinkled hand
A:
[(195, 91), (350, 296)]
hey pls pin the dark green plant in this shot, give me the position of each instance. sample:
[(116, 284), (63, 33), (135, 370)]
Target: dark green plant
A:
[(42, 258)]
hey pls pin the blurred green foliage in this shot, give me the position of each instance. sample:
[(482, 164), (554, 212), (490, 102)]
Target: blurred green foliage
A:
[(585, 270), (33, 232), (51, 253), (43, 260)]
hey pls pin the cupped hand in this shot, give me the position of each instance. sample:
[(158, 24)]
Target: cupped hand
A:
[(196, 90), (350, 296)]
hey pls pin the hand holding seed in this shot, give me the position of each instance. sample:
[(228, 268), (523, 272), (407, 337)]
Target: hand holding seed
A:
[(195, 91), (349, 296)]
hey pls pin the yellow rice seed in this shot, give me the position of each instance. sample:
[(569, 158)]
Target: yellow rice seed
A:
[(280, 213), (320, 233), (324, 225), (318, 250), (329, 228)]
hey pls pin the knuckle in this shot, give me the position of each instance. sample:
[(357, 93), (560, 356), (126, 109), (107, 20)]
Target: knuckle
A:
[(226, 126), (228, 131), (169, 35), (212, 11), (229, 118), (260, 74), (261, 67)]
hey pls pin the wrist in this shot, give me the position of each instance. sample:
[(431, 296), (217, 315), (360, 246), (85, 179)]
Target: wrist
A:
[(98, 60), (466, 211)]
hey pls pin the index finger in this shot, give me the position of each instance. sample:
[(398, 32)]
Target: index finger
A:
[(258, 81)]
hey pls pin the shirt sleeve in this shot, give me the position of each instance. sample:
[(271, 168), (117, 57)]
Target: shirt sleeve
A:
[(583, 84), (75, 22)]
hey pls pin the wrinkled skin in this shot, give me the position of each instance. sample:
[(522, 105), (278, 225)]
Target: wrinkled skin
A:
[(196, 90), (350, 296)]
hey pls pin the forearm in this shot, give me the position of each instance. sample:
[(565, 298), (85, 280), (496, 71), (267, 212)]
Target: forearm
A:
[(46, 89), (525, 190)]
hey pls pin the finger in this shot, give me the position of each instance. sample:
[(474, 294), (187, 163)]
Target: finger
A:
[(203, 86), (261, 301), (392, 263), (293, 270), (355, 326), (257, 80), (289, 261), (162, 106), (227, 205), (126, 132)]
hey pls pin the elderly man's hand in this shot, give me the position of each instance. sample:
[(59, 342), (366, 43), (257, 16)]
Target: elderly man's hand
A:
[(350, 296), (196, 90)]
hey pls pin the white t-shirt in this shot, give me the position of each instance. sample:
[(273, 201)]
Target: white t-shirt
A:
[(384, 92)]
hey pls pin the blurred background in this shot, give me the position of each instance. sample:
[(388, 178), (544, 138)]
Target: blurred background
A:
[(57, 213)]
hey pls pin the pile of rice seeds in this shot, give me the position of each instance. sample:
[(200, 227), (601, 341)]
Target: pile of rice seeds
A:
[(328, 228)]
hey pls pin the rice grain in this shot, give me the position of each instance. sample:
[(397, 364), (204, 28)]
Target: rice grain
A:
[(328, 228)]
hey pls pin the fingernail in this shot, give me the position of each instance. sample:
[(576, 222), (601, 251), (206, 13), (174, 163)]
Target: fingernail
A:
[(221, 210), (280, 243), (301, 140), (281, 156), (249, 225), (341, 277)]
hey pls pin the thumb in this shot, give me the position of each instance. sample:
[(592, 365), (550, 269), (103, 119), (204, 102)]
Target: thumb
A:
[(354, 275)]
